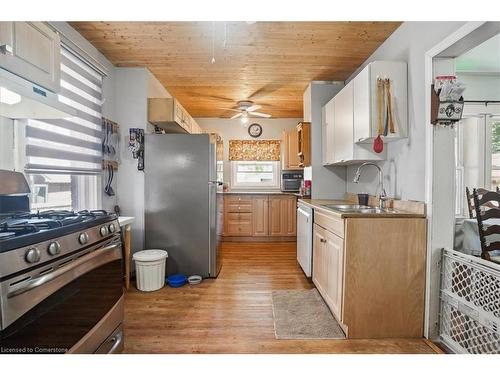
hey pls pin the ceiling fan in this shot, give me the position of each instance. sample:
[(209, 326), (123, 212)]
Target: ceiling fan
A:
[(247, 108)]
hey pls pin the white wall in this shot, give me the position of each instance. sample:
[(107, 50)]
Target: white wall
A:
[(132, 88), (327, 182), (405, 165), (233, 129)]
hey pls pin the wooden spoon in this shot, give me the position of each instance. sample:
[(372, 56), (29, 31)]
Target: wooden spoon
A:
[(378, 143)]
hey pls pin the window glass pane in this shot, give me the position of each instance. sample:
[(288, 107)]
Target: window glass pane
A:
[(495, 154), (63, 192), (255, 174)]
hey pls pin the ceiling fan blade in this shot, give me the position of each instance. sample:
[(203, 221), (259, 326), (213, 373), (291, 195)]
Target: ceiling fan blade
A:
[(229, 109), (253, 108), (258, 114), (237, 115)]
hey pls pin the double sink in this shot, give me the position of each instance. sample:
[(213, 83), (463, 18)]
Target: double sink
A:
[(357, 208)]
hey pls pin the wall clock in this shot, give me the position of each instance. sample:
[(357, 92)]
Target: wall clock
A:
[(255, 130)]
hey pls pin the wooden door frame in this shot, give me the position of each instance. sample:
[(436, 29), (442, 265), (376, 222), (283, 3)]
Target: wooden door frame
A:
[(434, 245)]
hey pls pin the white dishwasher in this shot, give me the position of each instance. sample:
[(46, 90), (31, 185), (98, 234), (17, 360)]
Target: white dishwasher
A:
[(304, 237)]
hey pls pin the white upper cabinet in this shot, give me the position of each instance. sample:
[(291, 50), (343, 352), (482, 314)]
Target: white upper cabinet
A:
[(365, 100), (328, 129), (343, 149), (350, 119), (31, 50)]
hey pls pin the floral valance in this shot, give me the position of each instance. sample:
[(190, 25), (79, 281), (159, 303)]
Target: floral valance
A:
[(253, 150)]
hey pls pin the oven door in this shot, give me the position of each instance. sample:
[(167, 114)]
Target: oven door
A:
[(59, 307)]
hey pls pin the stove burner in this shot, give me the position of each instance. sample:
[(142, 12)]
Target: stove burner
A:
[(21, 225)]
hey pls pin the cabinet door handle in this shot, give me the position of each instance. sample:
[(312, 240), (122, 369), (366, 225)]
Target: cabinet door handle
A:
[(6, 49), (322, 240)]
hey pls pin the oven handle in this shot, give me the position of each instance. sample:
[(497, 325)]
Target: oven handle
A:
[(39, 281)]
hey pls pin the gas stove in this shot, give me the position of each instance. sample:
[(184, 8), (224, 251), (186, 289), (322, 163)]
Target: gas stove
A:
[(61, 276), (26, 228)]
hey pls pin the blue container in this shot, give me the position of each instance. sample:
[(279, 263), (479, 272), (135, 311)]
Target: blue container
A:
[(177, 280)]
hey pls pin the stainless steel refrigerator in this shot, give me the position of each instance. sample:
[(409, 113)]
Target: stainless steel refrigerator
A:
[(183, 211)]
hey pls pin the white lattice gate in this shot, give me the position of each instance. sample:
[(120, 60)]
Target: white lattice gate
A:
[(470, 304)]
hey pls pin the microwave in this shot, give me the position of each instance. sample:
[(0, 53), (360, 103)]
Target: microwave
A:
[(291, 180)]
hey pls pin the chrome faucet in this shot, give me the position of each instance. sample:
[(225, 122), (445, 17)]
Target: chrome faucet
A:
[(382, 198)]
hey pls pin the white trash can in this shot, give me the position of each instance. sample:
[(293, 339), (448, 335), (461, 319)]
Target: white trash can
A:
[(150, 269)]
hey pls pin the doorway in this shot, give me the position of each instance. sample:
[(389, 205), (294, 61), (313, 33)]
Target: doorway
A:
[(457, 155)]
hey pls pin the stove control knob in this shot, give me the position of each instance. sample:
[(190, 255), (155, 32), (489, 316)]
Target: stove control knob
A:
[(83, 238), (104, 231), (54, 248), (112, 228), (32, 255)]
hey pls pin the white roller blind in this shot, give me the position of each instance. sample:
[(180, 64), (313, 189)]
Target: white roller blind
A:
[(72, 145)]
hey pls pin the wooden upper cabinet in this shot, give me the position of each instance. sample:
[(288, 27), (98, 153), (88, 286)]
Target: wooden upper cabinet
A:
[(290, 150), (169, 115), (260, 214), (31, 50), (304, 144), (282, 216)]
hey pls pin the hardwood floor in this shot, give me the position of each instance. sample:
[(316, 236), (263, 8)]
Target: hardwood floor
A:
[(233, 313)]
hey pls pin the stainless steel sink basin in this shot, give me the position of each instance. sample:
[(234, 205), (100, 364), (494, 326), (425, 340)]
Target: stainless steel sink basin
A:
[(356, 208), (346, 207)]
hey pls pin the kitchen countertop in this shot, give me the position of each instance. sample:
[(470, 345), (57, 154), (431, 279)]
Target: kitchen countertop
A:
[(317, 204), (125, 220), (275, 192)]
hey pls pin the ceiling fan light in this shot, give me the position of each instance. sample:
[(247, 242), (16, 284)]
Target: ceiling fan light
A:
[(244, 119)]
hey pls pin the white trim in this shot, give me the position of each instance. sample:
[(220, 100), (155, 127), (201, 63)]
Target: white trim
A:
[(463, 31)]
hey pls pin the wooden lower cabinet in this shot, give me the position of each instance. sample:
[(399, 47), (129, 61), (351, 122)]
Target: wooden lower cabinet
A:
[(282, 216), (371, 273), (328, 268), (260, 216)]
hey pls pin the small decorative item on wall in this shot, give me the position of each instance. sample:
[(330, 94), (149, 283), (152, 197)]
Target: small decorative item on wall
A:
[(255, 130), (447, 103), (136, 146)]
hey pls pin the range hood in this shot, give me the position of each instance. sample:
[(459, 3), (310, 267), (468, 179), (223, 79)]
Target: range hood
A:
[(21, 99)]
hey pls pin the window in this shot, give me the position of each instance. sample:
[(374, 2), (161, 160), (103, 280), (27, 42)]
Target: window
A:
[(255, 174), (477, 157), (494, 159), (62, 157)]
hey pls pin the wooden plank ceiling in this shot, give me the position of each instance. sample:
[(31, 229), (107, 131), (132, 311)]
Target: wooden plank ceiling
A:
[(270, 63)]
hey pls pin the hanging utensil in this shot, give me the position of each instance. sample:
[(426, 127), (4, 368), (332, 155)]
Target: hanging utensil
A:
[(104, 135), (388, 99), (111, 192), (111, 140), (378, 143), (108, 189)]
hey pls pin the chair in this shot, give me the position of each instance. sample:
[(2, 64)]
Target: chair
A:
[(485, 210), (470, 200)]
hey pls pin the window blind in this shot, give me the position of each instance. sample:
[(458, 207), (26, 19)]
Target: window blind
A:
[(71, 145)]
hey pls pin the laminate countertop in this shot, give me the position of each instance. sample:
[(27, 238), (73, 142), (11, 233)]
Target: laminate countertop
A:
[(319, 204)]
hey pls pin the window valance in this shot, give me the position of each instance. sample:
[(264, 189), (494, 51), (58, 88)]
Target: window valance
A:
[(254, 150)]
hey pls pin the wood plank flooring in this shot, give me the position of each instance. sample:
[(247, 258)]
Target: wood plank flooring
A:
[(233, 313)]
